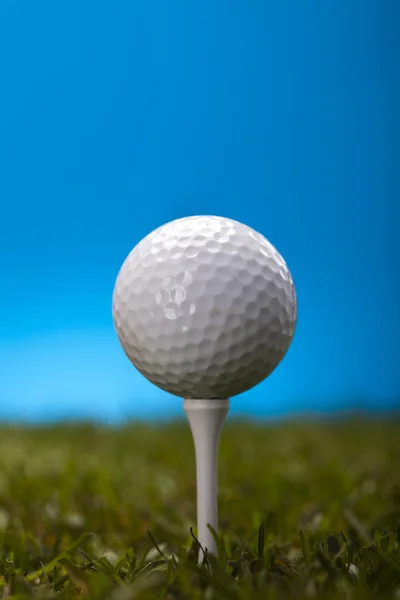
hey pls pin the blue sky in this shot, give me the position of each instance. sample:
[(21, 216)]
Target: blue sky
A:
[(116, 117)]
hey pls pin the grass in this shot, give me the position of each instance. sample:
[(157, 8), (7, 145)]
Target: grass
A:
[(306, 511)]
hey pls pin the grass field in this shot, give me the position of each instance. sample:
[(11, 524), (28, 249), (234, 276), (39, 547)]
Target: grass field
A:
[(306, 511)]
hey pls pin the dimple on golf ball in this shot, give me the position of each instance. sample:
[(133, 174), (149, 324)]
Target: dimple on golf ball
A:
[(205, 307)]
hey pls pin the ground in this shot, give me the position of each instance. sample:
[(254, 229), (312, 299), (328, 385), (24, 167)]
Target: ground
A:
[(306, 511)]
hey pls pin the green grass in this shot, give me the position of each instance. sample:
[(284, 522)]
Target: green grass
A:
[(306, 511)]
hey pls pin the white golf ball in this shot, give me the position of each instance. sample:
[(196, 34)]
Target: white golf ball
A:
[(205, 307)]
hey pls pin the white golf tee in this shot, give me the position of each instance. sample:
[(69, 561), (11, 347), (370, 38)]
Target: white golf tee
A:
[(206, 418)]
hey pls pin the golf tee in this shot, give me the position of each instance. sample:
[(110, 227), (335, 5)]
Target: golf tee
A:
[(206, 418)]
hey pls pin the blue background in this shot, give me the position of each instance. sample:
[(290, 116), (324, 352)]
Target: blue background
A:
[(116, 117)]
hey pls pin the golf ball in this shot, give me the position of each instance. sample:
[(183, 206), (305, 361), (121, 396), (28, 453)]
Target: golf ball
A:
[(205, 307)]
